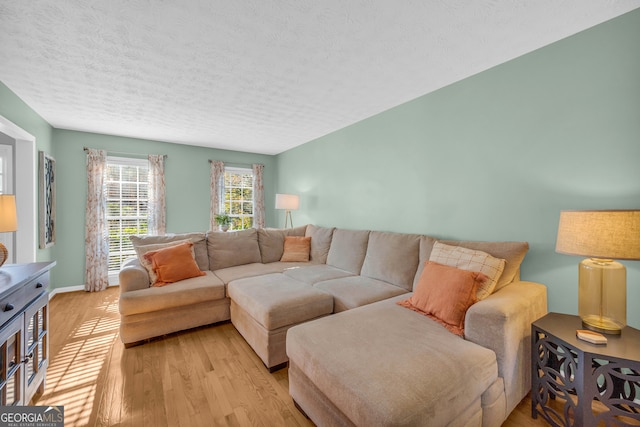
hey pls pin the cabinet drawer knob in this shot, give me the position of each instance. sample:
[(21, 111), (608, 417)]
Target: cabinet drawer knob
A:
[(39, 285), (8, 307)]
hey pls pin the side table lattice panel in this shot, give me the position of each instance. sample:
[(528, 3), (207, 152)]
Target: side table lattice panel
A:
[(574, 383), (618, 389), (554, 377)]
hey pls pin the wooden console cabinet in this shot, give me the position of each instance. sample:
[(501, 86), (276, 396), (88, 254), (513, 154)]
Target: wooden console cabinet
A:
[(24, 331)]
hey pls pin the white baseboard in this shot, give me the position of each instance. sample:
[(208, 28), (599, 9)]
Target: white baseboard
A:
[(66, 289), (56, 291)]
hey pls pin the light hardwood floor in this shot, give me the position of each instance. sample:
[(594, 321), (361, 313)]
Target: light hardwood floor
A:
[(204, 377)]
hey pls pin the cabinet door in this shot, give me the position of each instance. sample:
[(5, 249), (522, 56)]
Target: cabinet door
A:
[(11, 367), (36, 352)]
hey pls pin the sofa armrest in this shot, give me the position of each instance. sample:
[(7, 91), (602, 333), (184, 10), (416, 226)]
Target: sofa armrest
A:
[(133, 276), (502, 323)]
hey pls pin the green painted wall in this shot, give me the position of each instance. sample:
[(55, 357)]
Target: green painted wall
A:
[(186, 180), (15, 110), (493, 157)]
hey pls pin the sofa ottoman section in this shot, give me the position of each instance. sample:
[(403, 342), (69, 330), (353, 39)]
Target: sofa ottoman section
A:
[(264, 308), (425, 374)]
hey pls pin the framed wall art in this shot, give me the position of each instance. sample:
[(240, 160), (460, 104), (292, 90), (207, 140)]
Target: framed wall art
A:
[(47, 200)]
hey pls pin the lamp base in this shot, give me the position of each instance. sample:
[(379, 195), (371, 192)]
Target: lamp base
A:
[(602, 295), (602, 325)]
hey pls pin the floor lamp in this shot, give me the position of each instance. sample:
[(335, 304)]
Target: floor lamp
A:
[(288, 202)]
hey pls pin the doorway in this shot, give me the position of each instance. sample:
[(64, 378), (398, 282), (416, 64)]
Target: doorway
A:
[(6, 187), (24, 187)]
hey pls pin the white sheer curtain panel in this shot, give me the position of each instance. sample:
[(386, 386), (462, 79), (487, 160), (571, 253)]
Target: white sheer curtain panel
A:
[(96, 229), (157, 202), (258, 196), (217, 191)]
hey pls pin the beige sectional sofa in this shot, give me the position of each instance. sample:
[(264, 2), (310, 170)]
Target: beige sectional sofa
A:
[(355, 356), (147, 312)]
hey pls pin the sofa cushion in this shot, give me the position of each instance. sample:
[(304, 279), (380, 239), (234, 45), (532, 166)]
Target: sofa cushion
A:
[(232, 248), (271, 241), (470, 260), (173, 264), (256, 269), (426, 246), (199, 244), (316, 273), (230, 274), (344, 354), (275, 300), (296, 249), (445, 294), (512, 252), (348, 249), (320, 242), (183, 293), (392, 257), (355, 291)]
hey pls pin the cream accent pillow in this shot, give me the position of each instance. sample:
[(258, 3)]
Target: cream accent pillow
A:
[(143, 249), (470, 260)]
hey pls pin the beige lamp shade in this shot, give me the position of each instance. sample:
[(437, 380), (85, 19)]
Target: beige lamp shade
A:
[(8, 215), (289, 202), (612, 234)]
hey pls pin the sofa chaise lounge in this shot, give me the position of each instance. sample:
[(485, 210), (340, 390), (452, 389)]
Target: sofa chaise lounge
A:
[(356, 357)]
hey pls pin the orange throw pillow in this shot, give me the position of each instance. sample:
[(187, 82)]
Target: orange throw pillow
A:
[(173, 264), (296, 249), (445, 294)]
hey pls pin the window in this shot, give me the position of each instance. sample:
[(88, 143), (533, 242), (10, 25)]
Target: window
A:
[(238, 197), (127, 201)]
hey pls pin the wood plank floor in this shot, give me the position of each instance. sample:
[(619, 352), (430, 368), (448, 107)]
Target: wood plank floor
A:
[(205, 377)]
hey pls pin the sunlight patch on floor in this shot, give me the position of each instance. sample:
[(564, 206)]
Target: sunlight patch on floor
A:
[(72, 372)]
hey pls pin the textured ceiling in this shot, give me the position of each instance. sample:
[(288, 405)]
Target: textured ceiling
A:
[(255, 75)]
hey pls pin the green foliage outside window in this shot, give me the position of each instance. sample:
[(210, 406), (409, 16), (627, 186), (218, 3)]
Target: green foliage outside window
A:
[(238, 198)]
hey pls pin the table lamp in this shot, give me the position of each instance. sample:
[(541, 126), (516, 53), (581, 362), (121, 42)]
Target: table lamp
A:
[(288, 202), (8, 221), (602, 282)]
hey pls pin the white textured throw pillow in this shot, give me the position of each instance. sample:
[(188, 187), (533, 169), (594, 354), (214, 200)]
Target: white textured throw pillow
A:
[(470, 260)]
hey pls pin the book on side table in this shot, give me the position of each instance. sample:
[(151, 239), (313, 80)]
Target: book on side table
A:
[(591, 336)]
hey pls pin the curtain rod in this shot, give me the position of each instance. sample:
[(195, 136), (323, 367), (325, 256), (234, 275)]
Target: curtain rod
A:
[(232, 164), (125, 153)]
